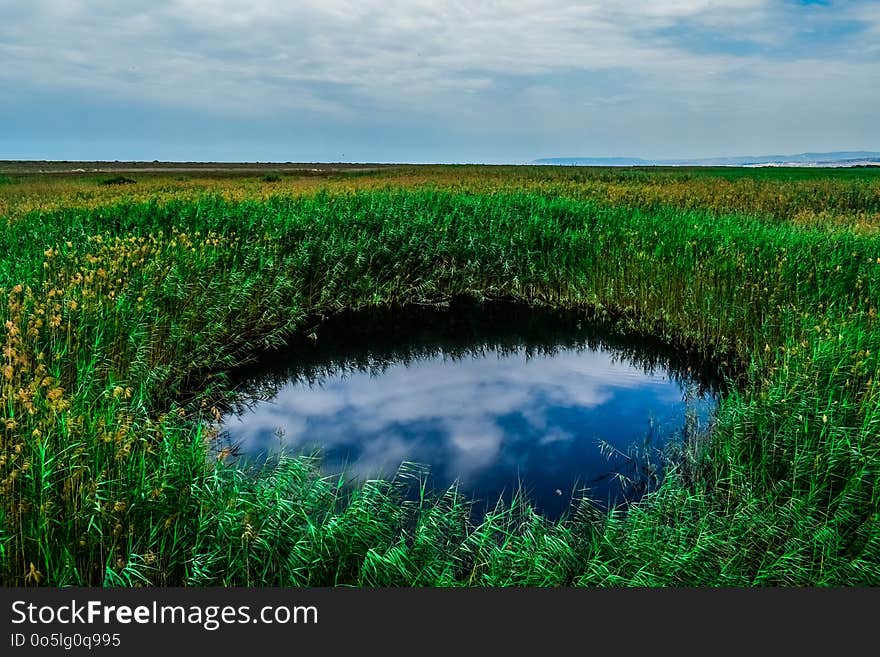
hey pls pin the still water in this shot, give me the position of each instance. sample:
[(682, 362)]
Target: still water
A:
[(494, 397)]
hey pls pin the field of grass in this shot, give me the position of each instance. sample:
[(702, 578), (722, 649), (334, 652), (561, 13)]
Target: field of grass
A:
[(122, 306)]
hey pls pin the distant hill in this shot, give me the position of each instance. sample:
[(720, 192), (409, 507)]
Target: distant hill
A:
[(834, 159)]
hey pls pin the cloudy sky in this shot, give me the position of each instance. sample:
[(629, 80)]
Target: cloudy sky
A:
[(435, 80)]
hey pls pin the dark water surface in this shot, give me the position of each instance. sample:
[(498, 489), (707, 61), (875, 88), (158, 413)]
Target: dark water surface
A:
[(494, 396)]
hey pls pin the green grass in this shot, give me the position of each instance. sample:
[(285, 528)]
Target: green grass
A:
[(120, 322)]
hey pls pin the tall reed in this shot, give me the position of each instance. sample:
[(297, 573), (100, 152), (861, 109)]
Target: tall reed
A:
[(119, 322)]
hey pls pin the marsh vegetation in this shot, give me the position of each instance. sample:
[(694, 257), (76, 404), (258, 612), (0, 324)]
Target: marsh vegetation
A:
[(125, 308)]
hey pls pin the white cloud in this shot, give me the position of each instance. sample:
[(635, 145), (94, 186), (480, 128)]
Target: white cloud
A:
[(266, 50), (499, 68)]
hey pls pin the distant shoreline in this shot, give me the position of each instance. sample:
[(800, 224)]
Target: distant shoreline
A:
[(51, 167), (830, 159), (97, 166)]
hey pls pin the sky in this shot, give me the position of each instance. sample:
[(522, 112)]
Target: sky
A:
[(435, 80)]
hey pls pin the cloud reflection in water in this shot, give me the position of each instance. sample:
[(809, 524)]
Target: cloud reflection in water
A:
[(489, 420)]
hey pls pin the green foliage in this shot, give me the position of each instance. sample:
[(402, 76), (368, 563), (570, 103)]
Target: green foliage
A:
[(271, 177), (112, 317)]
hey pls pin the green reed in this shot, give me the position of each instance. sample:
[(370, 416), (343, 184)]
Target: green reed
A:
[(119, 323)]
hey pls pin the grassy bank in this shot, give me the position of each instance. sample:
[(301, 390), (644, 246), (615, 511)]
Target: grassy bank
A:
[(119, 317)]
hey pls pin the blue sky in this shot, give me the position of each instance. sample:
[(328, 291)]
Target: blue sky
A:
[(435, 80)]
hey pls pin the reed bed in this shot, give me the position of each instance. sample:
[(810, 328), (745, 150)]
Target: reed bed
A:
[(119, 320)]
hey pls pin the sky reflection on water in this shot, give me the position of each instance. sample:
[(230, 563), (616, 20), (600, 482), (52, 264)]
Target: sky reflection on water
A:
[(490, 418)]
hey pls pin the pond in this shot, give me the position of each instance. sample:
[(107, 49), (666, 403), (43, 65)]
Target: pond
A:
[(496, 397)]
